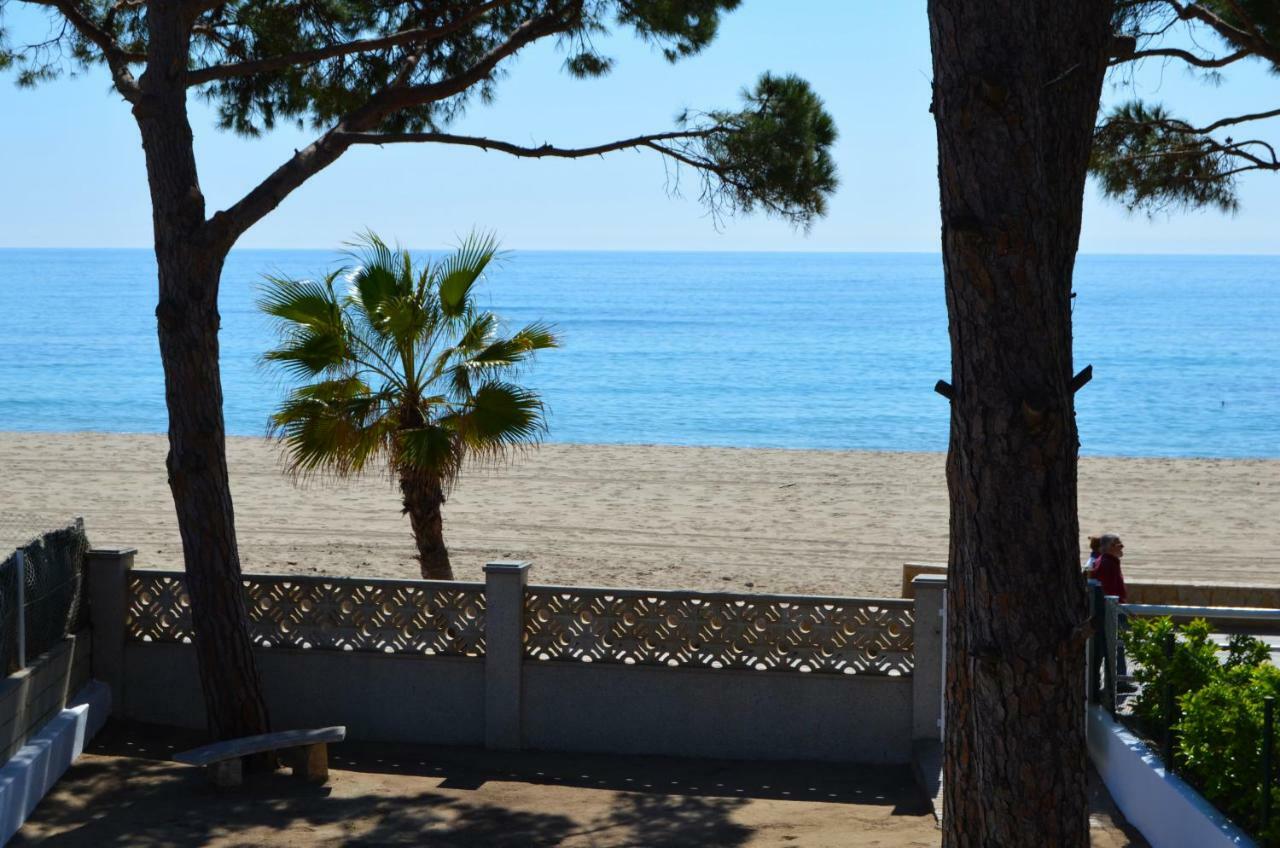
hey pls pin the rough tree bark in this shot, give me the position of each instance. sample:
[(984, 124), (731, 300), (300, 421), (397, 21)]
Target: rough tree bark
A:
[(187, 323), (1016, 90), (423, 497)]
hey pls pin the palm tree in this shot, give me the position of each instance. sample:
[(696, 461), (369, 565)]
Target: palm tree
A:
[(402, 368)]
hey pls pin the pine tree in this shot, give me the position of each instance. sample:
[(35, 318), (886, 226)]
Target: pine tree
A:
[(1016, 98), (364, 73)]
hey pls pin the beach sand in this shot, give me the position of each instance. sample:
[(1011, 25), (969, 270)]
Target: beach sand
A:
[(817, 522)]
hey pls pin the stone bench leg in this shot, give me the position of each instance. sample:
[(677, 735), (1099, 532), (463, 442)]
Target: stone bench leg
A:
[(311, 762), (226, 774)]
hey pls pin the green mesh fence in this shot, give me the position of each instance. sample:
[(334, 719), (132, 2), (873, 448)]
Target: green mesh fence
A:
[(53, 583)]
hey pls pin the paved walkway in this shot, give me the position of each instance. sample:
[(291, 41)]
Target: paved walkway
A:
[(126, 793)]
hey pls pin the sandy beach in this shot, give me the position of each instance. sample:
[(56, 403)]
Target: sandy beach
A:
[(818, 522)]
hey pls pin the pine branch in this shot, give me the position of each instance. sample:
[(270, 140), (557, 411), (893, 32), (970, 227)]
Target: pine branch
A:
[(1183, 126), (539, 152), (1239, 119), (1185, 55), (1241, 38), (407, 97), (117, 59), (228, 225), (213, 73)]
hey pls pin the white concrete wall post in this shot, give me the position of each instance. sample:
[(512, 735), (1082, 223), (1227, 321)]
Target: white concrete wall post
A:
[(504, 654), (930, 639), (108, 603)]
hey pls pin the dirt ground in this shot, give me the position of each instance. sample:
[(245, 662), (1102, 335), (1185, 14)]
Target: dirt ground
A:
[(125, 792)]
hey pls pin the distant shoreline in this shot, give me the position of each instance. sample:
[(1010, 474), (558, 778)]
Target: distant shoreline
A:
[(570, 444), (624, 252)]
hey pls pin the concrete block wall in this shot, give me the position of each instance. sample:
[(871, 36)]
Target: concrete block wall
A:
[(507, 700), (31, 697)]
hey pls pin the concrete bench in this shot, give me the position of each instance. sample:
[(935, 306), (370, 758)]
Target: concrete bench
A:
[(306, 751)]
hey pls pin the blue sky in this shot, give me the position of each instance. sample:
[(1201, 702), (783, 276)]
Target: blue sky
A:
[(74, 174)]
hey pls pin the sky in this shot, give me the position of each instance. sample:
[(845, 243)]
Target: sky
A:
[(73, 172)]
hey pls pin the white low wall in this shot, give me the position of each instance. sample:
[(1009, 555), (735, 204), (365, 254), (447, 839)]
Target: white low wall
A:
[(563, 706), (37, 765), (508, 666), (731, 714), (383, 698), (31, 697), (1168, 812)]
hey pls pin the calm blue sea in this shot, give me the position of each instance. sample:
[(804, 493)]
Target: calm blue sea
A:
[(832, 351)]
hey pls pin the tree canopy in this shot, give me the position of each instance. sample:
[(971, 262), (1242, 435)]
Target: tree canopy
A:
[(360, 72), (1148, 158), (366, 72)]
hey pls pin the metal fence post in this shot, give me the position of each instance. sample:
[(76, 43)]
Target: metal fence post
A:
[(1109, 652), (1268, 719), (1166, 704), (20, 564), (1093, 654)]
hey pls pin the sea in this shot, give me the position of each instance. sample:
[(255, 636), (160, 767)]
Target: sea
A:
[(836, 351)]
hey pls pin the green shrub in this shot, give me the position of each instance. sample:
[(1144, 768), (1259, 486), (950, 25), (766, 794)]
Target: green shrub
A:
[(1217, 711), (1246, 652), (1194, 663), (1220, 747)]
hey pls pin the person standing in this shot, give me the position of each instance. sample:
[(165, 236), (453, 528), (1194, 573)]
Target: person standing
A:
[(1106, 570), (1095, 543)]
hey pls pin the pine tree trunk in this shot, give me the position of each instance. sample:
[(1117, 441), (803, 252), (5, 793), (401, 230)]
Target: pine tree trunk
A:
[(188, 322), (423, 497), (1016, 93)]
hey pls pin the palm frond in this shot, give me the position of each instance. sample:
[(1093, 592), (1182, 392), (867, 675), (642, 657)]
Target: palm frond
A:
[(537, 336), (460, 381), (460, 270), (334, 425), (477, 333), (500, 416), (404, 320), (305, 302), (434, 448), (376, 278), (501, 353), (310, 351)]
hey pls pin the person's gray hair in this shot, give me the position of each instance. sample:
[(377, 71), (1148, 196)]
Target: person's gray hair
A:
[(1106, 541)]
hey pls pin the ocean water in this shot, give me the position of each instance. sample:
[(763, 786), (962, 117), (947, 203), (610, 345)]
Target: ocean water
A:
[(829, 351)]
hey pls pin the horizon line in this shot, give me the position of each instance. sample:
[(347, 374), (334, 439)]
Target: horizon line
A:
[(671, 250)]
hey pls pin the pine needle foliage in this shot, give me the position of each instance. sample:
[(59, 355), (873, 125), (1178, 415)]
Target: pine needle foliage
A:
[(1148, 159), (394, 71)]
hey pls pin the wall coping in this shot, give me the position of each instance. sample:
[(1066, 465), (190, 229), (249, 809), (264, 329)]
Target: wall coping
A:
[(1163, 806)]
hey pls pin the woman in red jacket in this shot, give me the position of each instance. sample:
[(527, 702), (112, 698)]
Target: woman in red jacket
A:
[(1107, 572)]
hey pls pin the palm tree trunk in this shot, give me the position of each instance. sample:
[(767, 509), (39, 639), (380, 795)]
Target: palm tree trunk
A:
[(423, 497)]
